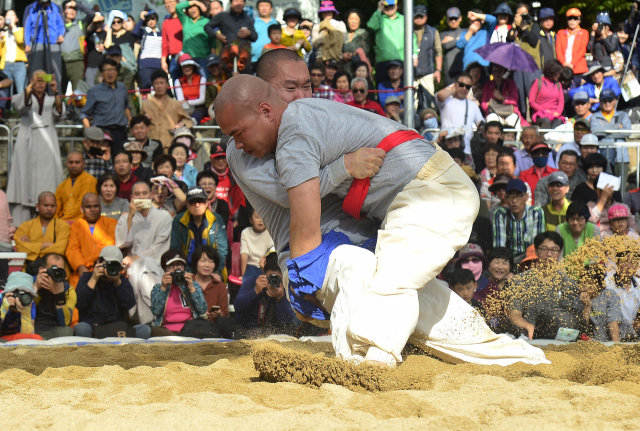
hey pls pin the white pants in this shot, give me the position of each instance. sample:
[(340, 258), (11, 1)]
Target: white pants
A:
[(424, 227), (144, 273)]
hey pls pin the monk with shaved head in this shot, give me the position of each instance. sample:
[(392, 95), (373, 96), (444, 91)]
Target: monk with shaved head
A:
[(88, 237), (70, 192), (420, 204), (45, 233)]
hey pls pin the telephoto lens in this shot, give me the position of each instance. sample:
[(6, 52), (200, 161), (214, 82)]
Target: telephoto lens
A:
[(57, 274)]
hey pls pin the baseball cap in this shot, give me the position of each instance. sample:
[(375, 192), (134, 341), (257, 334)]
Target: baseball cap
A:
[(608, 93), (196, 193), (94, 133), (517, 185), (539, 146), (580, 96), (453, 12), (111, 253), (177, 258), (546, 12), (582, 122), (389, 2), (574, 12), (392, 99), (394, 63), (499, 181), (589, 139), (419, 10), (558, 177), (114, 50), (213, 59), (219, 151), (619, 211)]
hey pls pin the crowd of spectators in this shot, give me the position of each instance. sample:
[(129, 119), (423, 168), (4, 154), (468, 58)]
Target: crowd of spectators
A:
[(137, 241)]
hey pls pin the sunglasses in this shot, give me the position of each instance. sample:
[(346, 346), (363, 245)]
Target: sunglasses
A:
[(358, 90), (453, 18), (607, 100), (580, 103), (573, 18), (117, 21), (317, 75), (461, 85)]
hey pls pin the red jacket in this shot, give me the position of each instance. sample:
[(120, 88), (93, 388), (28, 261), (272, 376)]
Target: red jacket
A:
[(579, 49), (369, 106), (532, 175), (171, 37)]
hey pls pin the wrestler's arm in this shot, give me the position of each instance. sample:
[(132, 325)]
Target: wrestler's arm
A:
[(304, 228)]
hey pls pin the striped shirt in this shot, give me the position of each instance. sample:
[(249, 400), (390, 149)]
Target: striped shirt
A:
[(152, 46), (521, 232)]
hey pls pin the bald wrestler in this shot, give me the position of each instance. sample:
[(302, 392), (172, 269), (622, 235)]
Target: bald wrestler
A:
[(261, 124)]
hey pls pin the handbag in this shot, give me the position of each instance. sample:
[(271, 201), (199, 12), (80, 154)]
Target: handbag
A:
[(116, 329), (500, 109)]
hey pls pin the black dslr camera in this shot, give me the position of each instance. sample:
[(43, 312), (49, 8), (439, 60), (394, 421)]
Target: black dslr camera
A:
[(23, 296), (177, 277), (112, 268), (274, 280), (56, 274)]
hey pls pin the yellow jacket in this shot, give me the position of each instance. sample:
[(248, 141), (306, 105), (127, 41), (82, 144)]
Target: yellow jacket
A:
[(20, 54)]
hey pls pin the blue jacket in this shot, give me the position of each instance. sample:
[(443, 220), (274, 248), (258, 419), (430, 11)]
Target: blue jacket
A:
[(105, 303), (620, 120), (386, 85), (481, 38), (609, 82), (263, 37), (247, 303), (189, 175), (56, 24), (159, 300)]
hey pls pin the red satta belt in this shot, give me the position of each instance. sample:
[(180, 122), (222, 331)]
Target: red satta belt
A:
[(354, 200)]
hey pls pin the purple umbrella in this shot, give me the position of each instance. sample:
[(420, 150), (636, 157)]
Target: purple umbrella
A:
[(508, 55)]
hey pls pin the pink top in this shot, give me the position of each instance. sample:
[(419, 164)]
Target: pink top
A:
[(177, 312), (509, 92), (7, 228), (547, 101), (342, 97)]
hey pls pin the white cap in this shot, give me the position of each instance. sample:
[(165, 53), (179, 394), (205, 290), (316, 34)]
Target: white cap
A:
[(589, 139)]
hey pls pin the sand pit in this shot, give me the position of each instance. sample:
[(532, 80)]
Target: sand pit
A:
[(197, 386)]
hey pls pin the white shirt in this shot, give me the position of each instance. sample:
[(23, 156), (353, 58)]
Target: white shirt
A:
[(11, 47), (452, 115), (149, 236), (629, 299), (255, 245), (568, 54)]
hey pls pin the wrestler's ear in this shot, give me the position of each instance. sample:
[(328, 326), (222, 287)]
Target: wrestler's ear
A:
[(265, 110)]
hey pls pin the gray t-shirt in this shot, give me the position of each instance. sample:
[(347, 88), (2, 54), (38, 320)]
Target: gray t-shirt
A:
[(605, 308), (116, 208), (260, 183), (316, 132)]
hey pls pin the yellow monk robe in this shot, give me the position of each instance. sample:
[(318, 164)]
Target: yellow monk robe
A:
[(57, 232), (69, 197), (84, 248)]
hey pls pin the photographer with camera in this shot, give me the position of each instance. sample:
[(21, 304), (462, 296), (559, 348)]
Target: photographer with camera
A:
[(603, 42), (17, 311), (97, 154), (55, 300), (261, 305), (106, 301), (524, 33), (178, 302), (44, 30)]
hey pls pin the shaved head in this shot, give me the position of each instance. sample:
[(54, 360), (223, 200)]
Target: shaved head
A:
[(287, 73), (89, 197), (270, 62), (249, 110), (91, 207), (44, 195)]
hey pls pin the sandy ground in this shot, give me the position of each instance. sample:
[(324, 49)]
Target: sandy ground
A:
[(588, 387)]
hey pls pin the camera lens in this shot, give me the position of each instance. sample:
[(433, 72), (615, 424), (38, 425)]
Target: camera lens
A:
[(178, 276), (113, 269), (24, 297), (57, 274)]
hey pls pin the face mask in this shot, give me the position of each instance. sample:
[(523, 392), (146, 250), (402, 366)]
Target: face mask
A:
[(430, 123), (540, 162), (475, 267)]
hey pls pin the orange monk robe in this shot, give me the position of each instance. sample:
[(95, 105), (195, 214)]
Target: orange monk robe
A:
[(57, 232), (84, 248), (69, 196)]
